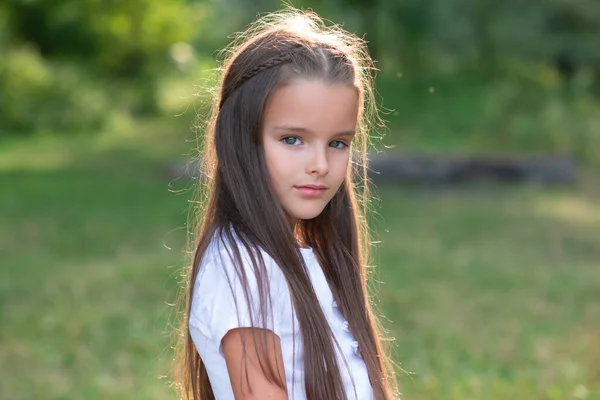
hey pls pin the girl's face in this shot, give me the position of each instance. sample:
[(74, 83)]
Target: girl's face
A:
[(308, 126)]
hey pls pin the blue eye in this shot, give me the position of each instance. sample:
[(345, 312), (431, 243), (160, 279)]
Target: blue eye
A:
[(337, 144), (291, 140)]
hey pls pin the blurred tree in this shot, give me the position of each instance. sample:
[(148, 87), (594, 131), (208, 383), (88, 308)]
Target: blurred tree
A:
[(123, 48), (575, 26), (369, 11), (87, 50), (484, 15), (121, 37), (410, 32)]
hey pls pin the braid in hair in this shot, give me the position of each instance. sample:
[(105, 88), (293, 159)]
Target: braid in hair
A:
[(283, 58)]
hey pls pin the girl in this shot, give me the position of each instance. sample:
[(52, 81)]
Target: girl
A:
[(277, 303)]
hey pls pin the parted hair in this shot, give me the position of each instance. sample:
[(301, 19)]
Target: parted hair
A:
[(238, 204)]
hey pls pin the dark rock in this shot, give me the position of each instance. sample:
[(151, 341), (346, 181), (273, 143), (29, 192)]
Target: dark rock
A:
[(404, 167)]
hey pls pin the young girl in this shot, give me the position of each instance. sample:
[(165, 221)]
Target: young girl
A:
[(277, 297)]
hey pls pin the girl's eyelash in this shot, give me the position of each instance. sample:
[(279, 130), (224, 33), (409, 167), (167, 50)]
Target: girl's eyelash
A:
[(294, 138), (344, 144)]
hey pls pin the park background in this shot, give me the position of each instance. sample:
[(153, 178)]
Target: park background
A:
[(490, 289)]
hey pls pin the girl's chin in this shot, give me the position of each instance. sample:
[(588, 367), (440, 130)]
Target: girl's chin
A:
[(305, 214)]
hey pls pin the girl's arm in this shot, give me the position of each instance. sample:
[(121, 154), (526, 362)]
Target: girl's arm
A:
[(248, 381)]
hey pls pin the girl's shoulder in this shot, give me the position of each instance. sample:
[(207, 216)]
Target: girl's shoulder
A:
[(232, 263), (231, 286), (229, 251)]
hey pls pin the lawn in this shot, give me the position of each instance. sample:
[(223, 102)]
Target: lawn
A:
[(491, 292)]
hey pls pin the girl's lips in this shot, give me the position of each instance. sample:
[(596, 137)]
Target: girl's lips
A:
[(311, 190)]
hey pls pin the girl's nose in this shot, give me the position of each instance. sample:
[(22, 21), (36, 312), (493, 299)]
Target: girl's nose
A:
[(318, 163)]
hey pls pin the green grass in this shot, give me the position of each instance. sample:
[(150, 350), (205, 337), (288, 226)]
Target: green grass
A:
[(492, 292)]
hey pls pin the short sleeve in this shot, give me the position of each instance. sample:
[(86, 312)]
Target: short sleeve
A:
[(219, 303)]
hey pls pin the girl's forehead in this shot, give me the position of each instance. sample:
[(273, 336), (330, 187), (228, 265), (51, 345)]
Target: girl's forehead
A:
[(312, 105)]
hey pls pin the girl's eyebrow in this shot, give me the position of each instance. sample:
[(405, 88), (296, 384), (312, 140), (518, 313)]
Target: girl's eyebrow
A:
[(300, 129)]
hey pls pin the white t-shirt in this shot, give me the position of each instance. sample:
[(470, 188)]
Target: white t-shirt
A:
[(214, 312)]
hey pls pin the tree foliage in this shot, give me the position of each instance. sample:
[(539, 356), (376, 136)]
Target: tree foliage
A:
[(116, 37), (122, 49)]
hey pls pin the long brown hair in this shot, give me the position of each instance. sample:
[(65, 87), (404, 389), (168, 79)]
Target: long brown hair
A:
[(238, 204)]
